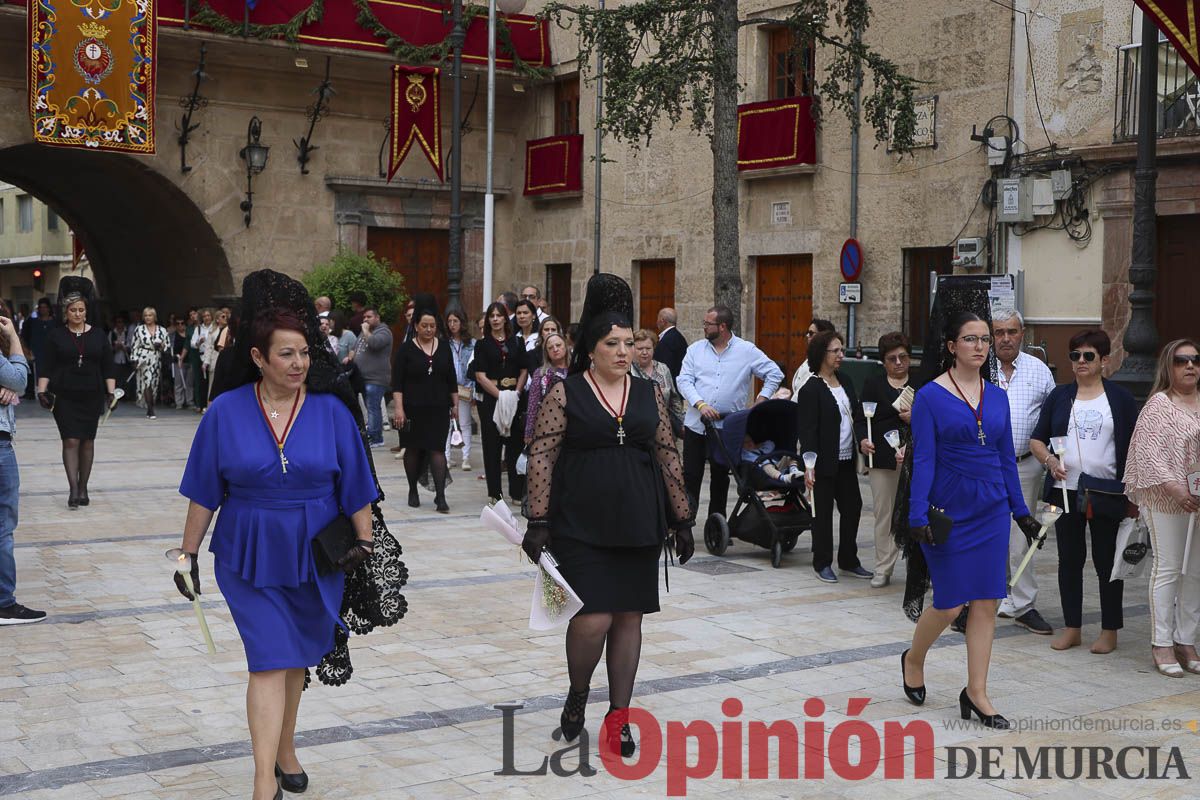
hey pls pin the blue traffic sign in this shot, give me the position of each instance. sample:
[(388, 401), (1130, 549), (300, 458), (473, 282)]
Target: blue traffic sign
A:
[(851, 260)]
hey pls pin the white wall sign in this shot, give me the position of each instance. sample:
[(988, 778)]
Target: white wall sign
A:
[(781, 213)]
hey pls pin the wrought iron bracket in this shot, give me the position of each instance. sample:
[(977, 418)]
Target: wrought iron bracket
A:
[(314, 113), (190, 105), (387, 135)]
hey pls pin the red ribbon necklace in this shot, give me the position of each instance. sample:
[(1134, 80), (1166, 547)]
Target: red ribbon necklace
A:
[(428, 356), (279, 440), (79, 345), (977, 411), (620, 416)]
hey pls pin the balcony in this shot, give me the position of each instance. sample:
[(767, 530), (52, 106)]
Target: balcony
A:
[(776, 136), (1178, 94), (553, 166)]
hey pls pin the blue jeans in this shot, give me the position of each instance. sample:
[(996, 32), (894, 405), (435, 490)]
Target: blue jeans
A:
[(375, 394), (10, 483)]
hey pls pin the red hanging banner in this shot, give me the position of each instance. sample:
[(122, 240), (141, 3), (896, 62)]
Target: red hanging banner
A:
[(554, 165), (416, 115), (776, 133), (1177, 19)]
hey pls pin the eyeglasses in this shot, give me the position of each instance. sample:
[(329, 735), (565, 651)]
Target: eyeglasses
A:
[(902, 358), (1181, 360), (529, 296), (836, 350), (707, 324), (974, 341), (809, 334), (1087, 355)]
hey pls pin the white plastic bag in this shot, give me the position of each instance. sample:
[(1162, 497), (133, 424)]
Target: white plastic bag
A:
[(1133, 549), (456, 437), (522, 463)]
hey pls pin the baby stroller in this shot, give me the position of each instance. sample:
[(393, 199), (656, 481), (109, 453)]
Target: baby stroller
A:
[(777, 527)]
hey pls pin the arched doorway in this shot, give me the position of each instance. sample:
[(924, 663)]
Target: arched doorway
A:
[(147, 242)]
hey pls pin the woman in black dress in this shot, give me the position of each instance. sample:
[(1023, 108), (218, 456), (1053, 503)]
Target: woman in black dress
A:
[(77, 380), (425, 392), (606, 487), (500, 367)]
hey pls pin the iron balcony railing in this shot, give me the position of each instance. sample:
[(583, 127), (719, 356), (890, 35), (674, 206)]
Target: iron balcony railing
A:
[(1178, 94)]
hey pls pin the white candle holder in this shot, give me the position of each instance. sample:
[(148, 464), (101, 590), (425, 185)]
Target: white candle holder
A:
[(869, 412), (182, 563), (1047, 514), (810, 464), (1059, 445)]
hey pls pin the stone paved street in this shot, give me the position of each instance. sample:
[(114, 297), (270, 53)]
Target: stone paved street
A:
[(115, 696)]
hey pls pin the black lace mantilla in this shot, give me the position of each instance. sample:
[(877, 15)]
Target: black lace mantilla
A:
[(372, 597)]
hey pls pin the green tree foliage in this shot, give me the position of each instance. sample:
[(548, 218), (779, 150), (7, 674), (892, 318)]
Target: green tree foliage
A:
[(671, 58), (350, 272)]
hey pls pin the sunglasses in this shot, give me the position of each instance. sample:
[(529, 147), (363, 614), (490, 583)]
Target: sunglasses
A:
[(1087, 355), (1181, 360)]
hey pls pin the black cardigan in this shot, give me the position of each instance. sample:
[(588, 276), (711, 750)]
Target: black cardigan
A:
[(820, 421), (887, 418), (1056, 412)]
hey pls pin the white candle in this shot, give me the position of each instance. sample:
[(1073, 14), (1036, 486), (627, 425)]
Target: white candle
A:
[(1059, 445), (1047, 515), (810, 464), (183, 565), (869, 413)]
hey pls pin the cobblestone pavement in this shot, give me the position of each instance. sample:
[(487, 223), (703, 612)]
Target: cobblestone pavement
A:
[(115, 695)]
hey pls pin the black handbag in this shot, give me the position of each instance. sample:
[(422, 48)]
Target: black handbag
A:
[(940, 524), (1101, 497), (332, 543)]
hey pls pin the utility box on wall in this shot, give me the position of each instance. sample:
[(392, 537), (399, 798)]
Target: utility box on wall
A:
[(1012, 200)]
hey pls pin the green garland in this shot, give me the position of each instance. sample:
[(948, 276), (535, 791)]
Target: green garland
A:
[(404, 51), (288, 31)]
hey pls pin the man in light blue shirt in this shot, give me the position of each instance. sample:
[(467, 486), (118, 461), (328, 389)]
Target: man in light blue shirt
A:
[(715, 381), (14, 372)]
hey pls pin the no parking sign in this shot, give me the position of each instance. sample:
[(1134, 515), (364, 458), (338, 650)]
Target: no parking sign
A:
[(851, 260)]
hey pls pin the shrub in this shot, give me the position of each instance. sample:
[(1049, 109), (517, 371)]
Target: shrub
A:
[(350, 272)]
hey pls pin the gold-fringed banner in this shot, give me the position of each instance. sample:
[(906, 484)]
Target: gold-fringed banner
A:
[(416, 115), (91, 73)]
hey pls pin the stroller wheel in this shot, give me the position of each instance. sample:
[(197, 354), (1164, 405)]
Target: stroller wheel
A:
[(716, 534), (789, 543), (776, 554)]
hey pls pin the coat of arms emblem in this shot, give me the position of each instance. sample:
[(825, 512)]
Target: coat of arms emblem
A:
[(93, 58)]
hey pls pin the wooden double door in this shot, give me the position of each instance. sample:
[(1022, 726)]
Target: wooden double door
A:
[(783, 309), (422, 256)]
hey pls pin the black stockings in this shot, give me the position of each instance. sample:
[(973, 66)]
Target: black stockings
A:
[(87, 452), (148, 396), (70, 456), (414, 463), (587, 635)]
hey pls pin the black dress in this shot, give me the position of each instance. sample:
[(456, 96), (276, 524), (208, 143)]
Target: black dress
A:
[(502, 363), (427, 385), (77, 365), (610, 505)]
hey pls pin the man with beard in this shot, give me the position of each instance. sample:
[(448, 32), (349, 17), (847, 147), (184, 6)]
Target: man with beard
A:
[(715, 380)]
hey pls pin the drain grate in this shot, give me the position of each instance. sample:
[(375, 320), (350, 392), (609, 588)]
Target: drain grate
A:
[(717, 566)]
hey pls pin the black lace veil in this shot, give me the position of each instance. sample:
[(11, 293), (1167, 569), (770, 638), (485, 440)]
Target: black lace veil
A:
[(372, 596), (609, 302), (77, 288)]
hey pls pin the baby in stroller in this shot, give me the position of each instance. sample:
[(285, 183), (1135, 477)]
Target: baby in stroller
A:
[(780, 468)]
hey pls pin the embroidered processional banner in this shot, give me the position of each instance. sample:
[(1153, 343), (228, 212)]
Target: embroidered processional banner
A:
[(416, 116), (91, 73), (1177, 19)]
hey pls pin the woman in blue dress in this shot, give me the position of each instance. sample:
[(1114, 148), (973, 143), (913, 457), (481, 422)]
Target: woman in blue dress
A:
[(281, 463), (964, 465)]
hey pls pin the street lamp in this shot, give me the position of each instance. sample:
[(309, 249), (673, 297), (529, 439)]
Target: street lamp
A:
[(489, 198), (255, 155)]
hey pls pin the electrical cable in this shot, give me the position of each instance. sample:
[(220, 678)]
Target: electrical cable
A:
[(1033, 76)]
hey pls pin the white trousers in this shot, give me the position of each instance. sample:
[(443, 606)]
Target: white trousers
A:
[(183, 389), (1021, 598), (883, 498), (464, 426), (1174, 597)]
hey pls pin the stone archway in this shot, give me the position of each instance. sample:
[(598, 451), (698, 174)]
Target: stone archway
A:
[(147, 241)]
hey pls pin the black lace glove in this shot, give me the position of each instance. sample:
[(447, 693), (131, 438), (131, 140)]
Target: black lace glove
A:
[(684, 544), (110, 401), (182, 586), (1031, 528), (45, 400), (537, 536), (921, 534), (357, 554)]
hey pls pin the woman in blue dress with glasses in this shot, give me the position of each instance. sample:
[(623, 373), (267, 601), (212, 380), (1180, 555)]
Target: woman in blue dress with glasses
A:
[(964, 464)]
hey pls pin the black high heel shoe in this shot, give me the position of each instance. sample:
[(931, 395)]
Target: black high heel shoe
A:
[(573, 714), (294, 783), (625, 736), (966, 708), (439, 503), (414, 499), (915, 694), (72, 502), (83, 498)]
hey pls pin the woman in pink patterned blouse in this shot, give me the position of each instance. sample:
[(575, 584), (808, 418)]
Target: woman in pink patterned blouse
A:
[(554, 348), (1165, 445)]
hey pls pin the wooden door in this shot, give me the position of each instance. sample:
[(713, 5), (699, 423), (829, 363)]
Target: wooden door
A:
[(558, 291), (1178, 281), (420, 255), (918, 263), (783, 309), (656, 290)]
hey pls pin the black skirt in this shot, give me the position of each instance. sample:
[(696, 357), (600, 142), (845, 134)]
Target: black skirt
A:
[(610, 579), (428, 428), (77, 413)]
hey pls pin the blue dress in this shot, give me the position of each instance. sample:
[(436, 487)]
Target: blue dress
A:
[(976, 485), (262, 541)]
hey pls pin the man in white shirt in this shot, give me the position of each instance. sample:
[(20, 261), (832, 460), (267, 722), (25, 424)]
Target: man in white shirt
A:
[(1028, 382), (715, 380)]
